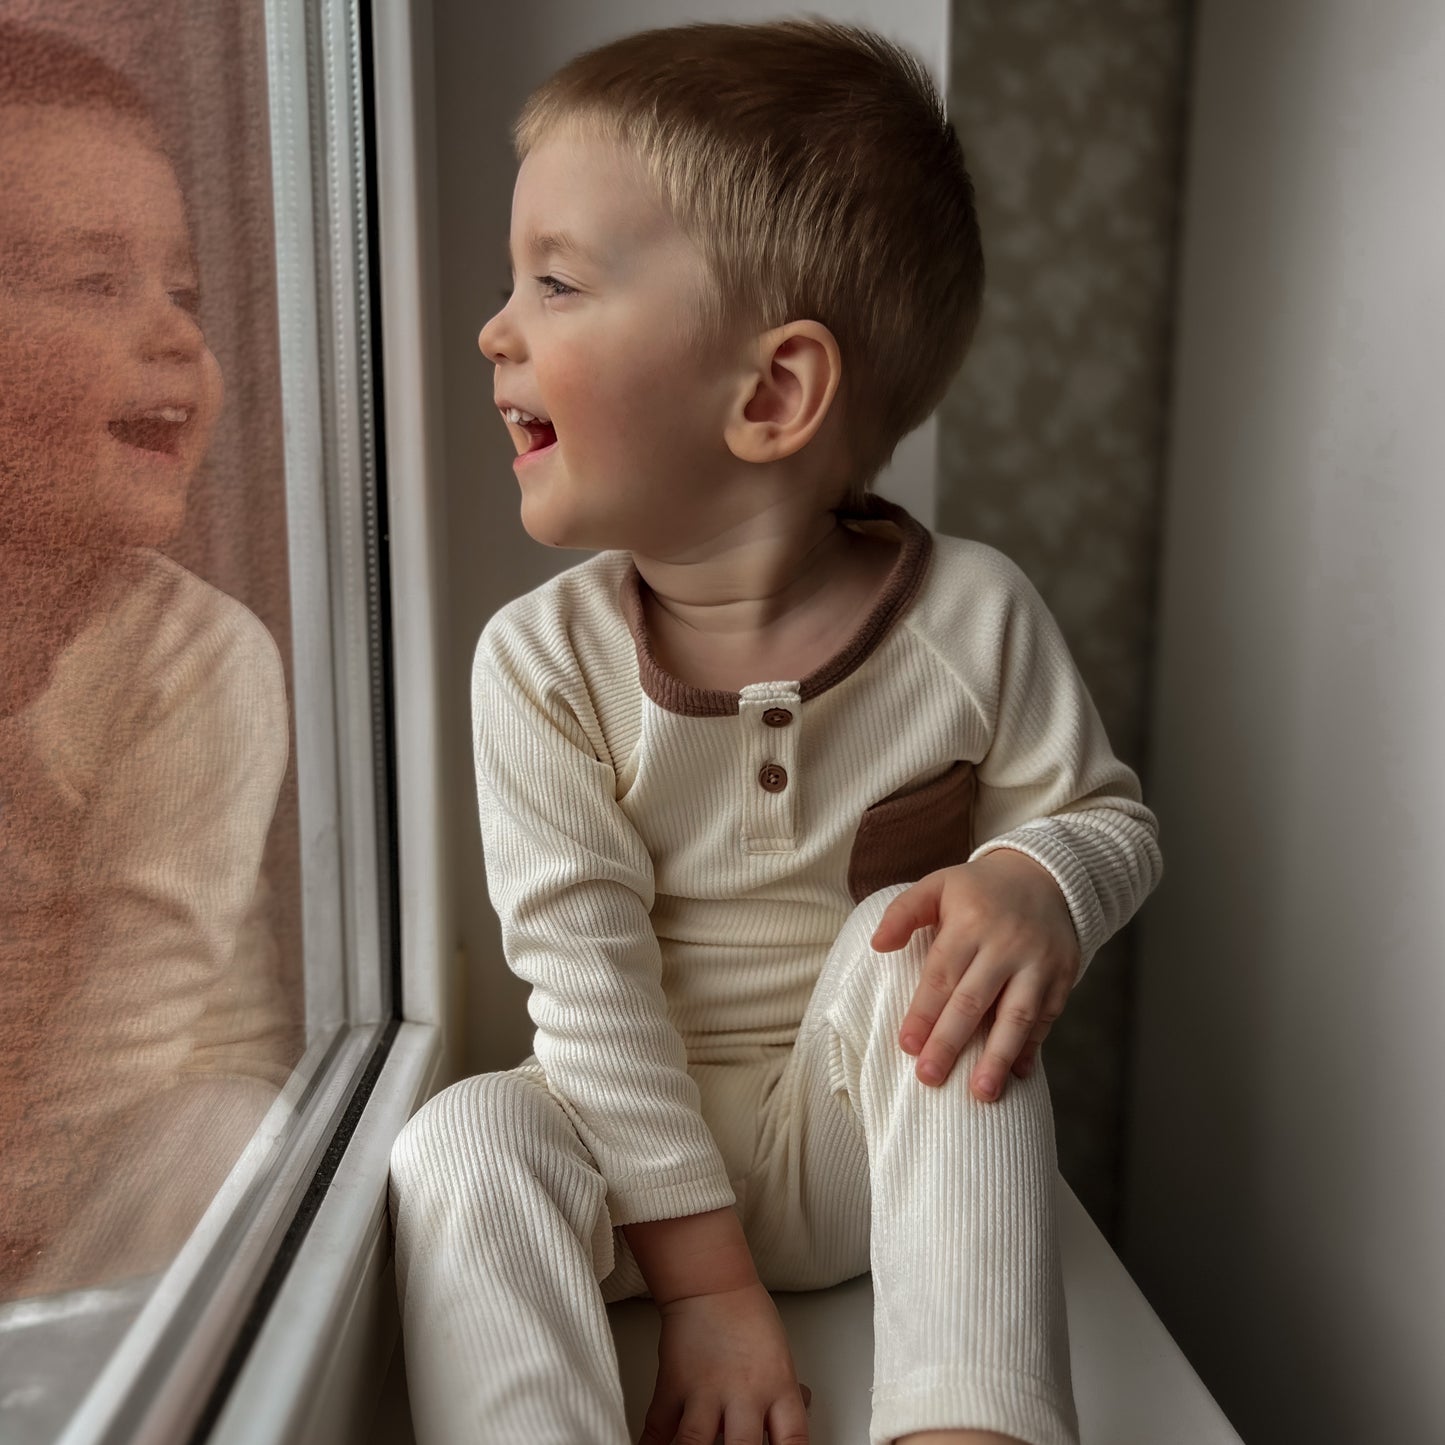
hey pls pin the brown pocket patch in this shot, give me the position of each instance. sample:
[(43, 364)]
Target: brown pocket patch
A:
[(914, 831)]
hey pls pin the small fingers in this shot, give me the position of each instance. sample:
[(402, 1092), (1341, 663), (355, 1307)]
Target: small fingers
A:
[(1028, 1055), (701, 1423), (1012, 1026), (914, 908), (742, 1425), (1055, 1001), (788, 1422), (958, 1015), (1015, 1015), (943, 969), (659, 1425)]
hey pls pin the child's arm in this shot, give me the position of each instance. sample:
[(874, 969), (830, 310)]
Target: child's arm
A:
[(692, 1255), (573, 886), (1071, 850), (723, 1358), (1050, 786)]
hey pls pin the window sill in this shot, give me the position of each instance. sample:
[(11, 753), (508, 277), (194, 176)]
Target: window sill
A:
[(316, 1368)]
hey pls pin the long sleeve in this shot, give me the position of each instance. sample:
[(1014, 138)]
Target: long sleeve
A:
[(1050, 785), (573, 886)]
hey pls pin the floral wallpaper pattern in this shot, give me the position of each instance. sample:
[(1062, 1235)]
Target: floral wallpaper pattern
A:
[(1051, 441)]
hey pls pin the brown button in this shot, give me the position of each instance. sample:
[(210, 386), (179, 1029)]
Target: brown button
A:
[(777, 717), (773, 778)]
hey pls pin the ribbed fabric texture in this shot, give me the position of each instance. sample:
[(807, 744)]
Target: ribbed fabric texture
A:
[(135, 799), (665, 907), (841, 1161), (673, 914)]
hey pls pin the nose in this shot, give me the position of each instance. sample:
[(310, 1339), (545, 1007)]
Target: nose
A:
[(498, 339), (169, 332)]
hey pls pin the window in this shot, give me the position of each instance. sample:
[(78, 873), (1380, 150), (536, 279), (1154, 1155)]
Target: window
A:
[(197, 885)]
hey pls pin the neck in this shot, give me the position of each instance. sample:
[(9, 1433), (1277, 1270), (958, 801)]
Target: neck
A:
[(31, 575), (747, 579), (46, 598)]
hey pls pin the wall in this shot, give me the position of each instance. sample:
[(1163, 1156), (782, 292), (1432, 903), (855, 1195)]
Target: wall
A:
[(1051, 439), (1287, 1179)]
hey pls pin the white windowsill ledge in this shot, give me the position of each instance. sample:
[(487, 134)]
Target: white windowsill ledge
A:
[(317, 1366)]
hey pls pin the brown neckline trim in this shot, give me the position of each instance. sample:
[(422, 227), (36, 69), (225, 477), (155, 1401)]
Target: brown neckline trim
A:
[(901, 587)]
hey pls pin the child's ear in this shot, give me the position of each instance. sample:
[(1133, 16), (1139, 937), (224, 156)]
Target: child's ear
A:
[(785, 399)]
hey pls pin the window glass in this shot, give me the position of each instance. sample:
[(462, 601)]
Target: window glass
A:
[(188, 661)]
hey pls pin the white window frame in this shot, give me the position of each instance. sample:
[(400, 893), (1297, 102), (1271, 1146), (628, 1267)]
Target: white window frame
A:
[(316, 1367), (316, 1359)]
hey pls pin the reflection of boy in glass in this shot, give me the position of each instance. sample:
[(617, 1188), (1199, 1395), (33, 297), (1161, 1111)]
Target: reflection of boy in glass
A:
[(142, 712)]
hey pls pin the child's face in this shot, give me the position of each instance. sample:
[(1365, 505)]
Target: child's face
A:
[(639, 420), (108, 392)]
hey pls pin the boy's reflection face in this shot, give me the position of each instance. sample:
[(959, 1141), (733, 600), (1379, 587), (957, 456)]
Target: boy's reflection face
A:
[(108, 392)]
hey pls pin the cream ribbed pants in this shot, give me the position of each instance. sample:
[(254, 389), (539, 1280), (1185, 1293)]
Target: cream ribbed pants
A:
[(842, 1162)]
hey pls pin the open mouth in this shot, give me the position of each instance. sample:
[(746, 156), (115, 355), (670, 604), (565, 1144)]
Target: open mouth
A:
[(540, 436), (159, 431)]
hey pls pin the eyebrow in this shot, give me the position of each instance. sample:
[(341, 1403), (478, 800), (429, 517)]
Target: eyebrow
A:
[(553, 243), (112, 242), (94, 240)]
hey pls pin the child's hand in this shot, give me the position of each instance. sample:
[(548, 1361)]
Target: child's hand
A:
[(1003, 925), (724, 1369)]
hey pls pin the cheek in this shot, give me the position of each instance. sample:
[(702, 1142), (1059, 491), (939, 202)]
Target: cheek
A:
[(574, 389), (52, 379), (632, 410)]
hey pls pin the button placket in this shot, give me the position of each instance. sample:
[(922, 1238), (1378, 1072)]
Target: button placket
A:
[(771, 726)]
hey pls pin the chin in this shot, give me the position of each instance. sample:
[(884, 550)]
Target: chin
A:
[(153, 525), (554, 531)]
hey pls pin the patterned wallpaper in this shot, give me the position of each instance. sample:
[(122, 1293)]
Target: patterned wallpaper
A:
[(1051, 442)]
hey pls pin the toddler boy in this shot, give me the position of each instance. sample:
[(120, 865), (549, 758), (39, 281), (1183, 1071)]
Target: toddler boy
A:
[(779, 791)]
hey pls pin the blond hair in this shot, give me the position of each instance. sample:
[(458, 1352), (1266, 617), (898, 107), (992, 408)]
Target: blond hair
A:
[(812, 165)]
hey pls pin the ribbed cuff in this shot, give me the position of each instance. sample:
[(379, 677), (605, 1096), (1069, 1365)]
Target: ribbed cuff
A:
[(1037, 840), (668, 1201), (1018, 1405)]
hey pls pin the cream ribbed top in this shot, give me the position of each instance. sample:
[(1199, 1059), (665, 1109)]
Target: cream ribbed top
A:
[(671, 865), (135, 800)]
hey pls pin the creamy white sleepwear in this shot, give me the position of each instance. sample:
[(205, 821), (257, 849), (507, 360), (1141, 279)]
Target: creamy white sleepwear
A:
[(689, 880)]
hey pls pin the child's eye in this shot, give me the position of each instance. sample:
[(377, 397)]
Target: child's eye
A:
[(561, 288), (188, 298), (98, 283)]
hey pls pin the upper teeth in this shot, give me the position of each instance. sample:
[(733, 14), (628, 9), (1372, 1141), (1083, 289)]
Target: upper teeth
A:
[(518, 417), (164, 413)]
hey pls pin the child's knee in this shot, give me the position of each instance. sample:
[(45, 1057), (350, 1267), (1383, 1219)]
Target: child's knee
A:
[(862, 983), (466, 1130)]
